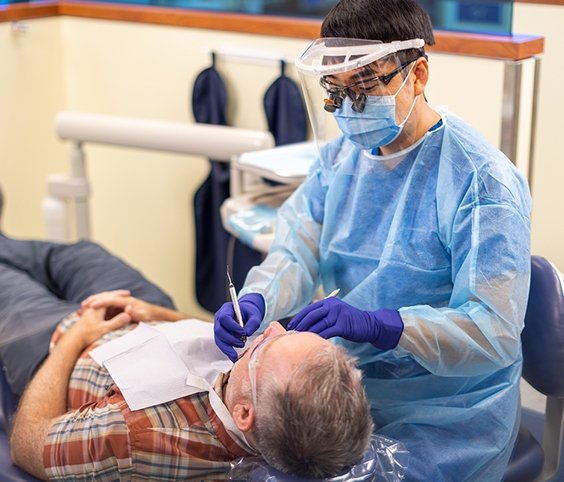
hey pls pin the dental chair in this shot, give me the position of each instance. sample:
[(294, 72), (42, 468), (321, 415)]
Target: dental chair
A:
[(8, 401), (543, 359)]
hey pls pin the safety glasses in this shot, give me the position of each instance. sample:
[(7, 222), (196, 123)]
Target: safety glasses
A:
[(359, 90), (254, 357)]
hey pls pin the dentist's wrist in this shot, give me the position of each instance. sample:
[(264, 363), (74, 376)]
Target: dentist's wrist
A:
[(390, 328)]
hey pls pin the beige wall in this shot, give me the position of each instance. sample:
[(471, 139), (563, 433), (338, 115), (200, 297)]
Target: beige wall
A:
[(31, 93), (141, 202), (548, 173)]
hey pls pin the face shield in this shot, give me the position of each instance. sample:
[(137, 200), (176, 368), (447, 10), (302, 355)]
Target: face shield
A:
[(350, 87)]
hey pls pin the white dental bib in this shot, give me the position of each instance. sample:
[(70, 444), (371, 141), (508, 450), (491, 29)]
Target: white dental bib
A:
[(160, 363)]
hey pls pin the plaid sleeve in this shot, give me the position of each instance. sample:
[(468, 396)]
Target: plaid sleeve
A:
[(91, 443)]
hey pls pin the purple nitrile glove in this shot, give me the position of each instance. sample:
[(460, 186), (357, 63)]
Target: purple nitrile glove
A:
[(227, 331), (333, 317)]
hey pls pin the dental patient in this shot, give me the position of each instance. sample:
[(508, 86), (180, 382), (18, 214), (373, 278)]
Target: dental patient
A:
[(293, 398)]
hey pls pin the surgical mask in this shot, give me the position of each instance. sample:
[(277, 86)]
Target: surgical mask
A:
[(376, 125)]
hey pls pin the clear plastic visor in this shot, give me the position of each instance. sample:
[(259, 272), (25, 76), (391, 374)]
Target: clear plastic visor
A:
[(342, 78), (327, 56)]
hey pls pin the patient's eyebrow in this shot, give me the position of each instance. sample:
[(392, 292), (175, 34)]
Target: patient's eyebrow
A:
[(243, 353)]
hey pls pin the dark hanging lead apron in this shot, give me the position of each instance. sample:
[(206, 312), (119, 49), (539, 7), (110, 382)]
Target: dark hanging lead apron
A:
[(285, 111), (209, 101)]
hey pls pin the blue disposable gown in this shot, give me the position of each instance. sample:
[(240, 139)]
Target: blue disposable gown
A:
[(441, 232)]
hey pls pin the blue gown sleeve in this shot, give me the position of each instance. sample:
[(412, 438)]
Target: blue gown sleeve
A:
[(289, 276), (488, 237)]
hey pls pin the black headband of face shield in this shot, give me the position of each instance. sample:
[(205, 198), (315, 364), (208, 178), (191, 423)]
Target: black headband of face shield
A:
[(338, 94)]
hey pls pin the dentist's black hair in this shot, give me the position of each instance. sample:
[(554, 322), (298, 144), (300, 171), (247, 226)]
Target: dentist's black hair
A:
[(385, 20)]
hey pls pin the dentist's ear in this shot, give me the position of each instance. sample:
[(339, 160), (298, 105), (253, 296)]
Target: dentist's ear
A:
[(421, 71), (243, 414)]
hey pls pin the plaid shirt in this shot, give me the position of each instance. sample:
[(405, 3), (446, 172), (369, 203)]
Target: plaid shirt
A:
[(101, 439)]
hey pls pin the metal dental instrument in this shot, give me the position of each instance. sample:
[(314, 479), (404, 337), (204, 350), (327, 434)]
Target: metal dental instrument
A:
[(333, 293), (235, 301)]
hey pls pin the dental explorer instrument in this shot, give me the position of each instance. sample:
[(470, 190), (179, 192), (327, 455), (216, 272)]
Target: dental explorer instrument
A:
[(235, 301)]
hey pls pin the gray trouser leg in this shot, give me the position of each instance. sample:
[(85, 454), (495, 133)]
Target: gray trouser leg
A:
[(41, 283)]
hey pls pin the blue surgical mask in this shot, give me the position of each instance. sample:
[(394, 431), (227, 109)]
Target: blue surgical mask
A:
[(376, 125)]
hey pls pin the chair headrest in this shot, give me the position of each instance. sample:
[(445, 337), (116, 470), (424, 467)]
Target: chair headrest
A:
[(385, 460), (543, 335)]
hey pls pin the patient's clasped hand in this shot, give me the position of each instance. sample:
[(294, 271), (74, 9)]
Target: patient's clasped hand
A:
[(302, 407)]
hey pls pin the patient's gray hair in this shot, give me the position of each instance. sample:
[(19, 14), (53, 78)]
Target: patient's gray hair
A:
[(319, 423)]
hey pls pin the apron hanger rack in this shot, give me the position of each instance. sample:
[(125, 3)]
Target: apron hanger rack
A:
[(251, 56)]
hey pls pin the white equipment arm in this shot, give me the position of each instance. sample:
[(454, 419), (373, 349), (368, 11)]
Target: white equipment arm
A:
[(216, 142)]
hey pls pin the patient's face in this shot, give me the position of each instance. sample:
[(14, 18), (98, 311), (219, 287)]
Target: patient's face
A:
[(275, 353)]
